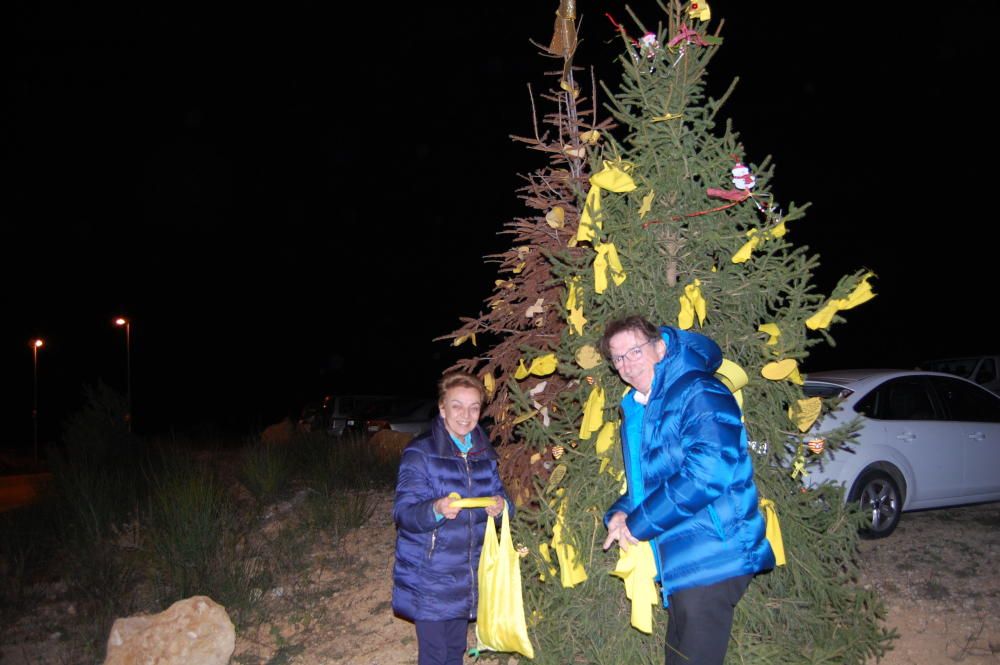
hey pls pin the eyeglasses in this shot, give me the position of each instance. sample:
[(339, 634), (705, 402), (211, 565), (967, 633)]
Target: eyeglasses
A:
[(632, 354)]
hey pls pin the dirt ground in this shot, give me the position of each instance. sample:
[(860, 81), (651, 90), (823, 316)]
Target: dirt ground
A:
[(937, 573)]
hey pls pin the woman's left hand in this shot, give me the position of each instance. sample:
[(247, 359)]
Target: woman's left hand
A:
[(497, 507)]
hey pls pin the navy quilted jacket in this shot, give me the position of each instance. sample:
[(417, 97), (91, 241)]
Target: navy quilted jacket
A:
[(434, 578), (690, 479)]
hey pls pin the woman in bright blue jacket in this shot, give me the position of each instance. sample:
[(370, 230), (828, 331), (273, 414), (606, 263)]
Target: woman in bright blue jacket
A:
[(438, 545), (690, 483)]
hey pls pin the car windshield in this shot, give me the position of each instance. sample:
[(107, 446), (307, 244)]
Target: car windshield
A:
[(962, 367)]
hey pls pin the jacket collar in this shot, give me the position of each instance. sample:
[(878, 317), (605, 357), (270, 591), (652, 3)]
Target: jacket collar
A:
[(443, 446)]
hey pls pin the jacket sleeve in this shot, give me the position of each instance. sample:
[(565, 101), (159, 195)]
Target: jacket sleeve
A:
[(413, 508), (710, 438)]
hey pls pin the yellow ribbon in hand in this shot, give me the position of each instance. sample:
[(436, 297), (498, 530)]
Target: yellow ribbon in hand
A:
[(637, 567), (862, 293), (593, 413), (692, 302), (611, 178), (773, 531), (607, 257), (571, 571)]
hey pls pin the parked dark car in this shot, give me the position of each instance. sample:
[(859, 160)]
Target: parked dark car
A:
[(340, 415)]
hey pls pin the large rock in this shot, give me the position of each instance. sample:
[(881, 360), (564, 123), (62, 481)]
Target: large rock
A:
[(193, 631)]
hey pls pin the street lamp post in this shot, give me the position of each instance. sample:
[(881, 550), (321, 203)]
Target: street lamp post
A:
[(122, 322), (35, 345)]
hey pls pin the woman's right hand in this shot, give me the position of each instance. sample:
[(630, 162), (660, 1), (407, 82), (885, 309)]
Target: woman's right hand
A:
[(443, 507)]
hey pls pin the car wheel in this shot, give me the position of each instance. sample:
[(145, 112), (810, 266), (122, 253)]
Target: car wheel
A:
[(879, 499)]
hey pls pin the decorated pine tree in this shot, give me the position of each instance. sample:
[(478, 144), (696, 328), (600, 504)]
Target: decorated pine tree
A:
[(648, 205)]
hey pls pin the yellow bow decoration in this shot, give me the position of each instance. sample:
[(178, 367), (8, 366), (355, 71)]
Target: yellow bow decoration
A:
[(862, 293), (607, 257), (692, 302), (805, 412), (783, 369), (587, 357), (772, 330), (593, 413), (773, 531), (799, 465), (699, 9), (611, 178), (733, 377), (637, 567), (605, 438), (571, 571), (647, 204), (574, 306), (540, 366)]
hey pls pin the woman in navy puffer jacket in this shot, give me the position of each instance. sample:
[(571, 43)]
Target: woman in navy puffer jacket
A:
[(438, 545)]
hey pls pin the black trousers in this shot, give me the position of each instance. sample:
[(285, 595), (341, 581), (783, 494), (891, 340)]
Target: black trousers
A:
[(441, 642), (700, 620)]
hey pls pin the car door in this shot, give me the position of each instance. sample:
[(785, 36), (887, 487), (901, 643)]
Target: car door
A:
[(916, 428), (975, 413)]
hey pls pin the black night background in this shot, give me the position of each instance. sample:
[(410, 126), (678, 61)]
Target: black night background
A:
[(290, 200)]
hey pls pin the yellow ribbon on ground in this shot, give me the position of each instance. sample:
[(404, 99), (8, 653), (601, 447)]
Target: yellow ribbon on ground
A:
[(593, 413), (571, 571), (773, 531), (607, 257), (692, 302), (782, 369), (637, 567), (862, 293), (540, 366), (612, 178), (772, 330)]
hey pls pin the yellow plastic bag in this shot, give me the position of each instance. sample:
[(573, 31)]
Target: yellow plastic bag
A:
[(500, 625)]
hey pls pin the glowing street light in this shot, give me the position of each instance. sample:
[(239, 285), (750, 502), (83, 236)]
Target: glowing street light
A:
[(122, 322), (35, 345)]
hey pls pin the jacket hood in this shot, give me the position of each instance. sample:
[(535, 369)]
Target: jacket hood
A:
[(686, 352)]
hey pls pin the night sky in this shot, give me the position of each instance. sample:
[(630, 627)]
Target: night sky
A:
[(292, 201)]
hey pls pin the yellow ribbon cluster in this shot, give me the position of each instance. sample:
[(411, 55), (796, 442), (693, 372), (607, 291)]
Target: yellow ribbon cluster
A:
[(637, 567), (613, 177), (692, 302), (574, 305), (571, 571), (593, 413), (862, 293), (540, 366)]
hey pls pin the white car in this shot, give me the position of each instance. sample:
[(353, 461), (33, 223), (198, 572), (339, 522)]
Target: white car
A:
[(928, 440)]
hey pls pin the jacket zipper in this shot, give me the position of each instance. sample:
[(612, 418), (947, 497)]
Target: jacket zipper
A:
[(430, 551), (468, 525)]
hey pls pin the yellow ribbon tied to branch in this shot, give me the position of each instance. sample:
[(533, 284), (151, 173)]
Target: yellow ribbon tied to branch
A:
[(574, 305), (540, 366), (733, 377), (613, 177), (607, 258), (571, 571), (782, 369), (637, 567), (772, 331), (593, 413), (805, 412), (692, 302), (862, 293), (773, 531)]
